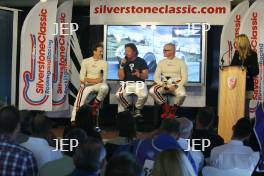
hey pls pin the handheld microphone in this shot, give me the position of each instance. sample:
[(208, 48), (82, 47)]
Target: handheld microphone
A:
[(102, 74)]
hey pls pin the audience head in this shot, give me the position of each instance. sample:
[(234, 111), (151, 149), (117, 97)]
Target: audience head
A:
[(75, 133), (242, 129), (41, 128), (126, 125), (90, 155), (186, 127), (9, 121), (205, 118), (123, 165), (172, 162), (84, 117), (40, 125), (170, 126), (26, 118)]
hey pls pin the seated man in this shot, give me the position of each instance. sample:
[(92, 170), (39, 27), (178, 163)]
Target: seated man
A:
[(186, 127), (235, 154), (14, 159), (133, 72), (93, 77), (170, 77), (204, 130), (89, 158)]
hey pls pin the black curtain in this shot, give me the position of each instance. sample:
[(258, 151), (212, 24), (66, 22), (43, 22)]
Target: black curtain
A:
[(6, 36)]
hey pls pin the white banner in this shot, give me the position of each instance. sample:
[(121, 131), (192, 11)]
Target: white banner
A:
[(164, 12), (61, 74), (36, 57), (253, 26), (230, 31)]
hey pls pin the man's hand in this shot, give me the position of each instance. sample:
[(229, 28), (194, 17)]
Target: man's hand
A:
[(90, 81), (172, 87), (136, 73), (123, 63)]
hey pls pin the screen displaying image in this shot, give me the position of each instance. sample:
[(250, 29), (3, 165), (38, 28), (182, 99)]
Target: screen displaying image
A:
[(150, 41)]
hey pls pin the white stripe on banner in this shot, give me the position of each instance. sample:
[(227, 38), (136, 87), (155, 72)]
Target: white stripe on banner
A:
[(75, 75), (36, 57), (61, 74), (253, 26), (230, 31)]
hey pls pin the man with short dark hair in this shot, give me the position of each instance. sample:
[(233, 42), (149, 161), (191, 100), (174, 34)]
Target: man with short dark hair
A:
[(64, 165), (234, 154), (123, 165), (93, 76), (14, 159), (203, 130), (133, 71), (89, 158)]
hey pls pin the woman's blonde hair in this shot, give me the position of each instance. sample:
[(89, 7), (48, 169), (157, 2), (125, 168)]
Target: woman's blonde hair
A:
[(243, 46), (172, 162)]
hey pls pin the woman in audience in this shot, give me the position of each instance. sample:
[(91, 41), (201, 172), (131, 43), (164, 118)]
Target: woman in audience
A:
[(172, 162)]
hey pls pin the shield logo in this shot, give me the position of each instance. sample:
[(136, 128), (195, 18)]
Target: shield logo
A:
[(231, 82)]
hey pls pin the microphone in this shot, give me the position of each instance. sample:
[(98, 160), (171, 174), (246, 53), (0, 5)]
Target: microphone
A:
[(222, 58), (102, 74)]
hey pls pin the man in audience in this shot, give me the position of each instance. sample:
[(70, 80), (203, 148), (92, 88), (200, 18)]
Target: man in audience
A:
[(146, 150), (186, 127), (26, 118), (89, 158), (14, 159), (38, 142), (235, 154), (203, 130), (64, 165), (123, 165)]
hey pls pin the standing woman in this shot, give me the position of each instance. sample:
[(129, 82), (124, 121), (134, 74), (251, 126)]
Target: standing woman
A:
[(245, 56)]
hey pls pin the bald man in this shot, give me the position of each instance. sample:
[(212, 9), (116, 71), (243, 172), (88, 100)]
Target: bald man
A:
[(170, 77)]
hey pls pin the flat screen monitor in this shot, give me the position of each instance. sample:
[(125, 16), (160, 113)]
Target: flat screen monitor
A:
[(150, 41)]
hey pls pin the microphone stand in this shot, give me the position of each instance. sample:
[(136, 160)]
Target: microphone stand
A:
[(222, 58)]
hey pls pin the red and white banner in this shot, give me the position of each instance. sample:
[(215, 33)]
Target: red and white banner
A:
[(166, 12), (36, 57), (61, 74), (230, 31), (253, 26)]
